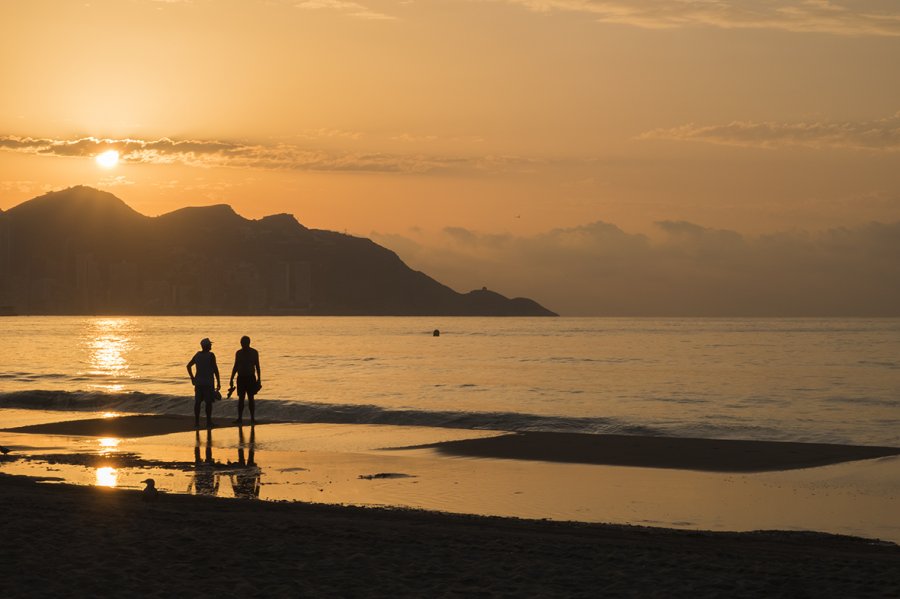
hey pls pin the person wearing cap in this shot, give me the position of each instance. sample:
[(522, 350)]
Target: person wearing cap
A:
[(204, 391)]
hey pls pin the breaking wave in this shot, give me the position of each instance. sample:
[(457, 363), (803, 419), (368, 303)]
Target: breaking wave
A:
[(295, 411), (275, 410)]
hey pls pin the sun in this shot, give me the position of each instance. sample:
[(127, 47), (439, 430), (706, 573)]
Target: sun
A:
[(107, 159)]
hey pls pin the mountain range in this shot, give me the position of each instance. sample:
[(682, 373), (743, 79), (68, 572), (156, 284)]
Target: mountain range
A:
[(84, 251)]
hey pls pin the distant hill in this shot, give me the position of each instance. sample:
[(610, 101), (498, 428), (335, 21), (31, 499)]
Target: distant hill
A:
[(84, 251)]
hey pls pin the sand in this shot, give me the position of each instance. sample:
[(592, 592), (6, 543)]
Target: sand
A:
[(142, 425), (713, 455), (60, 539), (65, 540)]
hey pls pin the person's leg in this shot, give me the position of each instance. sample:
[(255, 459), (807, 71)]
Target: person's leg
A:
[(209, 412), (240, 417), (250, 397), (197, 398)]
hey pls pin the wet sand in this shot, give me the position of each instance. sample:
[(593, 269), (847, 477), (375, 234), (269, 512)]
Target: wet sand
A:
[(712, 455), (58, 539), (142, 425), (61, 540)]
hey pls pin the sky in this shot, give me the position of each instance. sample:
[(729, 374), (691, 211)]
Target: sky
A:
[(600, 156)]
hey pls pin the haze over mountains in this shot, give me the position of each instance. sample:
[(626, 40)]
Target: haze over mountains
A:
[(84, 251)]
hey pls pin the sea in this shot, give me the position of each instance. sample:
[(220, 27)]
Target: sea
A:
[(792, 379)]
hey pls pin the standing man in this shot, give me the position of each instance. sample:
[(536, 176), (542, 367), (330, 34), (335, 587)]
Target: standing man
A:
[(249, 377), (205, 361)]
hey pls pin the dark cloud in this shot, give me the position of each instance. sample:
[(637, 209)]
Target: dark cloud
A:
[(877, 135), (837, 17), (689, 270)]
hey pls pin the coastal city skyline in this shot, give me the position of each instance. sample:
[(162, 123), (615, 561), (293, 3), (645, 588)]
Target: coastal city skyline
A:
[(576, 130)]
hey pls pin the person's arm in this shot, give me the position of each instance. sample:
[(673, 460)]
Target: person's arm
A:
[(216, 372), (234, 368), (191, 372), (258, 369)]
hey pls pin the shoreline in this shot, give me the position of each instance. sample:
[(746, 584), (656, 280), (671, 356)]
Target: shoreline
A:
[(681, 453), (127, 426), (107, 542), (624, 480)]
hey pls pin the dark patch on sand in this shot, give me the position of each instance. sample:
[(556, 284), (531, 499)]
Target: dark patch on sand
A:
[(114, 460), (714, 455), (385, 475), (143, 425)]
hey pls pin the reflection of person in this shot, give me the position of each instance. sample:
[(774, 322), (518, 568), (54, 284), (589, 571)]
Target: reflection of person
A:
[(249, 377), (205, 361), (245, 482), (205, 480)]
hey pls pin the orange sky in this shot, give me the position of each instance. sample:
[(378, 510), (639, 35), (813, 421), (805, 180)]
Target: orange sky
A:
[(511, 119)]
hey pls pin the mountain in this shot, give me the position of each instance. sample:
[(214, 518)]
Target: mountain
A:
[(84, 251)]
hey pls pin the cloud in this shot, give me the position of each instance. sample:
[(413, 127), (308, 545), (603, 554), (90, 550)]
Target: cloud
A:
[(353, 9), (410, 138), (114, 181), (878, 135), (684, 270), (856, 17), (206, 153), (323, 132), (24, 186)]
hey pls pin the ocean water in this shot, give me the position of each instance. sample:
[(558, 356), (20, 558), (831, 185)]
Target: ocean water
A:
[(822, 380)]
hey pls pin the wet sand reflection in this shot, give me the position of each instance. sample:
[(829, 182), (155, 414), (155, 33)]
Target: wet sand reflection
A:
[(107, 477), (205, 481), (244, 474), (245, 481)]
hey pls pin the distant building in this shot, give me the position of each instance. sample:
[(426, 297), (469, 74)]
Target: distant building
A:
[(87, 283), (292, 286), (122, 290)]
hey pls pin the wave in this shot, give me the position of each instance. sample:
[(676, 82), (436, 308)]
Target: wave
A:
[(325, 413), (303, 412)]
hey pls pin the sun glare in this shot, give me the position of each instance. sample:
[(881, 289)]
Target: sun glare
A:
[(107, 477), (108, 444), (107, 159)]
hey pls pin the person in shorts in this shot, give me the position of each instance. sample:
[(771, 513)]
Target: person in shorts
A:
[(204, 390), (249, 378)]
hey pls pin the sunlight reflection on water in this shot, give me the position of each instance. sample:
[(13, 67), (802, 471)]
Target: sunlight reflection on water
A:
[(822, 380), (108, 444), (107, 477), (108, 340)]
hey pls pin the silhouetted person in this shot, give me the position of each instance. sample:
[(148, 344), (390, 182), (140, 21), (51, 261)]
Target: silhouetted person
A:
[(205, 481), (204, 391), (249, 377), (246, 482)]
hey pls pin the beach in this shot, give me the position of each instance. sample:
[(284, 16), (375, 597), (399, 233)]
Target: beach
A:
[(366, 511), (66, 540)]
